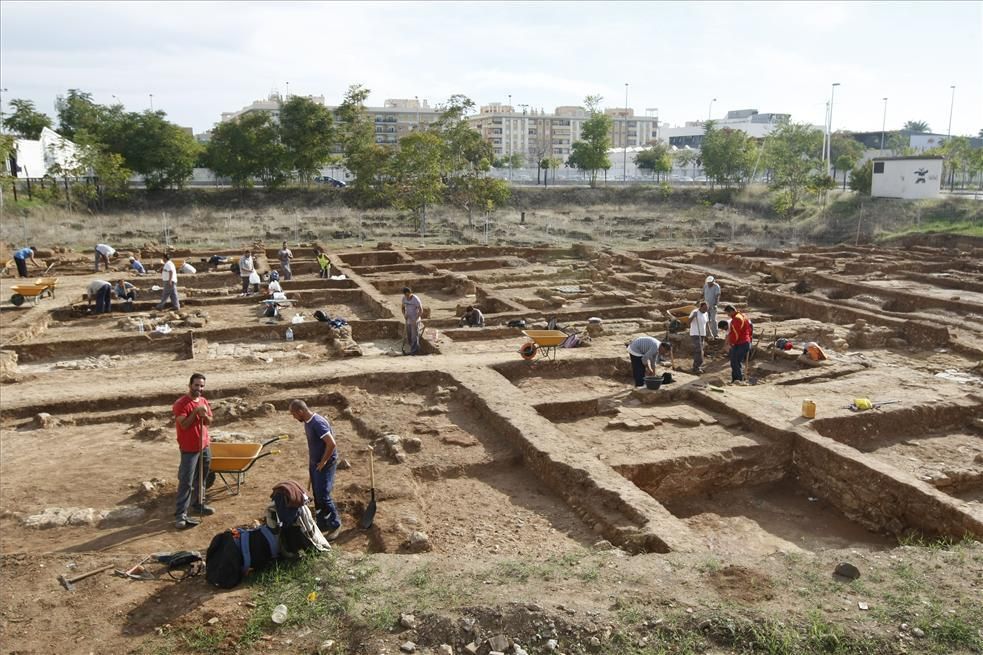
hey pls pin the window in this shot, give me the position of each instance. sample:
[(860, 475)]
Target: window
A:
[(878, 167)]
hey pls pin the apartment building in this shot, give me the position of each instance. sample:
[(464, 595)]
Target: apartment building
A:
[(535, 134), (271, 105), (398, 117)]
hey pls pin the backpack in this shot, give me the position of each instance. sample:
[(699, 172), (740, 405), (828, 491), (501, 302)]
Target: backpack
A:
[(232, 553), (321, 316)]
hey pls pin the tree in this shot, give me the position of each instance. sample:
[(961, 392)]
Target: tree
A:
[(246, 148), (77, 111), (591, 153), (366, 159), (793, 156), (728, 155), (899, 143), (918, 127), (959, 157), (862, 176), (845, 152), (655, 158), (684, 157), (415, 179), (307, 133), (25, 121), (163, 153)]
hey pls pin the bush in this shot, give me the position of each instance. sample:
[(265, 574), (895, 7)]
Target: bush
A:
[(861, 176)]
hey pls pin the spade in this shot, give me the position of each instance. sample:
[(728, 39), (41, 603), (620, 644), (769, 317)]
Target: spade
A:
[(369, 513)]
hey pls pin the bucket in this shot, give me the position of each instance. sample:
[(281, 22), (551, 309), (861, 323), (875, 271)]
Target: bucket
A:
[(809, 408), (667, 378), (653, 383)]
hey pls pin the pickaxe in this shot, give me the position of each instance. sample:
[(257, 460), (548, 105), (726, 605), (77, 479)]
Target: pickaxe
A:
[(69, 583)]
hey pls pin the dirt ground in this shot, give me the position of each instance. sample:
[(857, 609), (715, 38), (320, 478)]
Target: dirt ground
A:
[(540, 499)]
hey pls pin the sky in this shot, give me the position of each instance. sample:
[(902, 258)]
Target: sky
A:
[(199, 59)]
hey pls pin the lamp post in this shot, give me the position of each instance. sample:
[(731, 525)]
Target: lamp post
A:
[(624, 159), (2, 91), (151, 102), (710, 109), (883, 124), (829, 129), (509, 119), (952, 104), (417, 126), (286, 95)]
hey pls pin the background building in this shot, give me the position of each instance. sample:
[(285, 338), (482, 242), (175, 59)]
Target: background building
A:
[(749, 121), (906, 177)]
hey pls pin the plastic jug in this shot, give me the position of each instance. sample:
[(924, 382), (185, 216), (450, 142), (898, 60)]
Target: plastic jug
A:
[(279, 614), (809, 408), (289, 336)]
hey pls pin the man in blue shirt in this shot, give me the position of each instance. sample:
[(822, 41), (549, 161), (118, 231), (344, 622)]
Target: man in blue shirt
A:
[(20, 259), (322, 464)]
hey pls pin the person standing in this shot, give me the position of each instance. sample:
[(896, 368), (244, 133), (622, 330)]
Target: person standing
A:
[(698, 321), (168, 276), (645, 353), (104, 253), (192, 416), (246, 269), (739, 342), (100, 292), (412, 311), (324, 262), (322, 450), (285, 256), (711, 295), (20, 259)]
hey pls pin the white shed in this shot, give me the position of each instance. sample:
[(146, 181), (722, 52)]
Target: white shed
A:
[(908, 178), (34, 158)]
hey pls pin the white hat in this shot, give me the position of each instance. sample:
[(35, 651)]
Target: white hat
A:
[(709, 279)]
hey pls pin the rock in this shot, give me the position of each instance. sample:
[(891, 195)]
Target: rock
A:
[(862, 605), (408, 621), (412, 444), (122, 515), (408, 647), (472, 648), (418, 542), (8, 365), (462, 440), (44, 420), (445, 649), (519, 650), (847, 570), (603, 544), (498, 642), (325, 647), (595, 642), (918, 632), (399, 456), (344, 464), (213, 620), (552, 644), (433, 410), (392, 440)]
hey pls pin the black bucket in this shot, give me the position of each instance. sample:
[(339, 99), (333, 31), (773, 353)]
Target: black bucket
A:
[(667, 378), (653, 383)]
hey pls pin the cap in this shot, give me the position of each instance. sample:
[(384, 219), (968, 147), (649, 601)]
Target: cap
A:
[(709, 279)]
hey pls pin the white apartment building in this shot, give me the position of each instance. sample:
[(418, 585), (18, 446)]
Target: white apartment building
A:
[(749, 121), (270, 105), (536, 135)]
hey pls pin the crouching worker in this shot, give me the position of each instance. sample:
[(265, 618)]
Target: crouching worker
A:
[(646, 353), (100, 292), (472, 317), (126, 292), (322, 464)]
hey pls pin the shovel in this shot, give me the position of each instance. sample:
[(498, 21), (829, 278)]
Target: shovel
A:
[(369, 513)]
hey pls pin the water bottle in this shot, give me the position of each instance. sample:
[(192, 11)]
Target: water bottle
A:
[(279, 614), (140, 327), (290, 334)]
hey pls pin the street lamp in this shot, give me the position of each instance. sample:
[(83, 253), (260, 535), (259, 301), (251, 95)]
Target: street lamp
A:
[(417, 98), (624, 159), (829, 129), (952, 103), (710, 109), (883, 123), (509, 119), (286, 95), (151, 102)]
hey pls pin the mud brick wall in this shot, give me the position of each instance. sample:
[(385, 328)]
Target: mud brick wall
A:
[(903, 301), (876, 495), (115, 345), (866, 430), (916, 332), (372, 258)]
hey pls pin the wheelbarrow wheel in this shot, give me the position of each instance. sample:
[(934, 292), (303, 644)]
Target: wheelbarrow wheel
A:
[(17, 300)]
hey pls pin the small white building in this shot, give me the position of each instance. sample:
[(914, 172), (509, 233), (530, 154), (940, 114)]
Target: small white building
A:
[(35, 158), (909, 178)]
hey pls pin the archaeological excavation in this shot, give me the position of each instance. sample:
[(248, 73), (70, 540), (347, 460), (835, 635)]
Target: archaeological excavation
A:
[(485, 450)]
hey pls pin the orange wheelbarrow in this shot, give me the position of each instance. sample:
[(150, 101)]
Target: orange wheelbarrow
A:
[(234, 459)]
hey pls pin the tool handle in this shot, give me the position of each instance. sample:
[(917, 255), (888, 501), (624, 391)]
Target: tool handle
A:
[(83, 576), (372, 468)]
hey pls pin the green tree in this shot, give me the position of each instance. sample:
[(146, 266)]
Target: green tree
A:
[(845, 152), (728, 155), (163, 153), (591, 153), (793, 157), (307, 132), (862, 176), (684, 158), (959, 158), (24, 120), (415, 177), (899, 143), (247, 148), (918, 127), (361, 155), (77, 111), (655, 158)]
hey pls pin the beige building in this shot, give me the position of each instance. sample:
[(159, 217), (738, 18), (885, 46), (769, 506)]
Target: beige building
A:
[(398, 117), (536, 135)]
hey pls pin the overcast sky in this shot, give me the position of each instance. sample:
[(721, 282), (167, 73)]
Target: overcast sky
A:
[(199, 59)]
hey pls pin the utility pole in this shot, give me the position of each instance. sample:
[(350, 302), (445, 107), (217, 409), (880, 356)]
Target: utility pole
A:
[(952, 104), (829, 129), (509, 119), (883, 124), (624, 159)]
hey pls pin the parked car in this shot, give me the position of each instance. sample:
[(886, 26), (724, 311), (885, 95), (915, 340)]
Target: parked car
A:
[(327, 179)]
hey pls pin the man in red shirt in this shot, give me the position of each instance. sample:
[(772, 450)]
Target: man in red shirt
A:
[(192, 415), (739, 342)]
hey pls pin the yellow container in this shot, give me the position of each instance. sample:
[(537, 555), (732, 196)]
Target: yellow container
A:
[(809, 408)]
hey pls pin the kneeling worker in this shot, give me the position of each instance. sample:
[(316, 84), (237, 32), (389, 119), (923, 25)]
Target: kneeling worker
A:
[(472, 317), (645, 353)]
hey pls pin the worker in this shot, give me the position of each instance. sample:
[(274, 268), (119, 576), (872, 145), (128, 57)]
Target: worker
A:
[(126, 292), (104, 253), (412, 312), (711, 295), (324, 263), (168, 275), (698, 323), (645, 353), (187, 269), (739, 334), (472, 317), (192, 416), (20, 259), (137, 266), (322, 452), (100, 292), (285, 256), (246, 270)]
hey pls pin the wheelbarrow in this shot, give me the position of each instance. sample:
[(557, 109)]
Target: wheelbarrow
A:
[(679, 317), (235, 459), (43, 286), (544, 342)]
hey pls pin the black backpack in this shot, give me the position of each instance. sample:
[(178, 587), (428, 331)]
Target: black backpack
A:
[(321, 316), (232, 553)]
